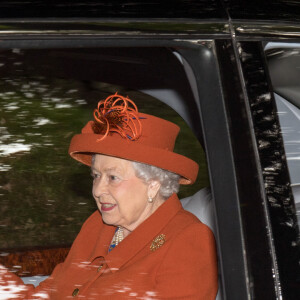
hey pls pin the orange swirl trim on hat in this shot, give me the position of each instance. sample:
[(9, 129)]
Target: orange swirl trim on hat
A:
[(117, 114)]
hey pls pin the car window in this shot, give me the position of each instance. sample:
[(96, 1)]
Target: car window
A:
[(283, 62), (46, 96)]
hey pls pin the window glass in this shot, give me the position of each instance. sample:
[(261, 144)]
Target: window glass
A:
[(45, 195), (284, 68)]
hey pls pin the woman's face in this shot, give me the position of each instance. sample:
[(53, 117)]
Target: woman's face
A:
[(121, 196)]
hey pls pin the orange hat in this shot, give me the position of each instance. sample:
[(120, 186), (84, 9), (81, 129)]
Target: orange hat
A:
[(119, 130)]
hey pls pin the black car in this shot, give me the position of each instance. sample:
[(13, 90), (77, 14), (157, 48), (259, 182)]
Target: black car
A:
[(226, 71)]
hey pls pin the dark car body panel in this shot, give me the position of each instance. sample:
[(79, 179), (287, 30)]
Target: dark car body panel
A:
[(112, 9)]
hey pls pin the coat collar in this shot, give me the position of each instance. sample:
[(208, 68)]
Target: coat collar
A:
[(140, 237)]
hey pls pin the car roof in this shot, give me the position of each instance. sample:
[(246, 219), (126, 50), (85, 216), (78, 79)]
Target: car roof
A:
[(263, 10), (197, 9)]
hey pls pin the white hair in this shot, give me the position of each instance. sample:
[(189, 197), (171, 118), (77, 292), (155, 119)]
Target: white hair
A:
[(169, 181)]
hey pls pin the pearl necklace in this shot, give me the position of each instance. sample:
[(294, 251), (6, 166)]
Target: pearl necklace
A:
[(119, 236)]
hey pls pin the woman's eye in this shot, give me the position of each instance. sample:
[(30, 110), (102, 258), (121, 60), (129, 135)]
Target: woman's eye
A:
[(95, 176), (113, 178)]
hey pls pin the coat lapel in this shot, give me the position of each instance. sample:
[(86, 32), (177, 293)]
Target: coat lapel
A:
[(142, 235), (105, 234)]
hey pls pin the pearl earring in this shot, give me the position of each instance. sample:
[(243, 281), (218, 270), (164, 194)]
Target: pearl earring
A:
[(150, 200)]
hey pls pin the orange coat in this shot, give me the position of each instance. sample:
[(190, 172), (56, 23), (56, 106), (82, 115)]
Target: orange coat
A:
[(180, 265)]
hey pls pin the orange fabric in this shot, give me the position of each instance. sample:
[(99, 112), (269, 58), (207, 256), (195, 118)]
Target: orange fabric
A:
[(119, 114), (183, 267), (154, 147)]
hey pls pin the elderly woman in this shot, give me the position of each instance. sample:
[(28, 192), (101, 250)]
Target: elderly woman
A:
[(140, 244)]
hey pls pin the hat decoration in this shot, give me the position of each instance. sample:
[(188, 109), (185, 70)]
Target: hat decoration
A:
[(117, 114)]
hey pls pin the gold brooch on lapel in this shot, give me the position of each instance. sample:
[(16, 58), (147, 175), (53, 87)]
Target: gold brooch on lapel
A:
[(158, 242)]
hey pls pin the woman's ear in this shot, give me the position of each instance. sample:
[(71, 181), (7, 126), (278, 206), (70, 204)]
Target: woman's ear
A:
[(153, 188)]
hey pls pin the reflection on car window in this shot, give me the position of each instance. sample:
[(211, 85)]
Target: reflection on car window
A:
[(45, 196), (284, 61)]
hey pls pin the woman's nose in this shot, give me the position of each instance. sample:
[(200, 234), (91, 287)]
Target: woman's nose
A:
[(99, 187)]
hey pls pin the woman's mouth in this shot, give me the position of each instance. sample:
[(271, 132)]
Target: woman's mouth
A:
[(107, 206)]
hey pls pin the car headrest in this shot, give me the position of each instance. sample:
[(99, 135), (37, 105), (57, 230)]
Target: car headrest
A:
[(200, 204)]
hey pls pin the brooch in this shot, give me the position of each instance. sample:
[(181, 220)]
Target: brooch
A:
[(158, 242)]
